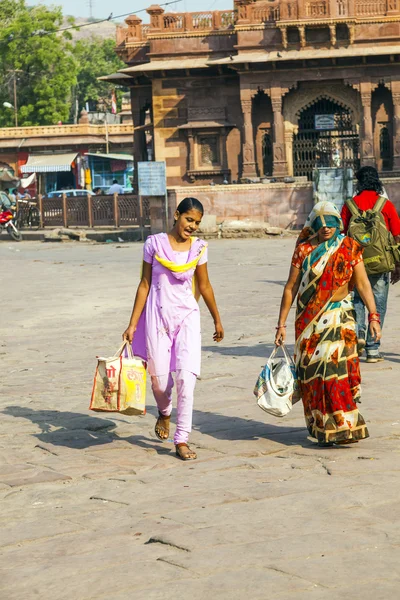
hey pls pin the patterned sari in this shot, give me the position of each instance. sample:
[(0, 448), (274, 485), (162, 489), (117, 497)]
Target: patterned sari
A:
[(326, 342)]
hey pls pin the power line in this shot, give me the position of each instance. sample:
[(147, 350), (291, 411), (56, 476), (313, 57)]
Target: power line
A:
[(43, 32)]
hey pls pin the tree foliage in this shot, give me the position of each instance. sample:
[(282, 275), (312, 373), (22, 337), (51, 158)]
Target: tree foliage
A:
[(41, 62), (95, 57), (51, 71)]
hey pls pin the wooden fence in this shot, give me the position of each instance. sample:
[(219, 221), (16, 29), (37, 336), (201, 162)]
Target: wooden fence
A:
[(95, 211)]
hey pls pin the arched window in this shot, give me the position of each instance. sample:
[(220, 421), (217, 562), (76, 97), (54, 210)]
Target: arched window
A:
[(267, 154)]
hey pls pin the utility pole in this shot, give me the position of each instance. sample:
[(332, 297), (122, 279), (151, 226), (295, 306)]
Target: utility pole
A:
[(14, 76), (15, 100)]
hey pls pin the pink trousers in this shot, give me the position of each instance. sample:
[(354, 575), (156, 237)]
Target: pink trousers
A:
[(162, 389)]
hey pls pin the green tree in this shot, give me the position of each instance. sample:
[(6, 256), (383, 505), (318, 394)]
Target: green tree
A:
[(40, 59), (96, 57)]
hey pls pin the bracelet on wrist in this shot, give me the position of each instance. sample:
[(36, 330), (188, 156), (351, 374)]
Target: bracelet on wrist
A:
[(281, 327), (374, 317), (375, 321)]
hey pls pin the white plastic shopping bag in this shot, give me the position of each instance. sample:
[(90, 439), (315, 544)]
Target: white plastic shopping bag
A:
[(276, 389)]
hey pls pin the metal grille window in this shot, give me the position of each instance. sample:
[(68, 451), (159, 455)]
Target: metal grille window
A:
[(336, 146), (267, 153), (384, 148)]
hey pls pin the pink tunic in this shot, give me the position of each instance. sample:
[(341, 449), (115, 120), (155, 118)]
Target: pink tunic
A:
[(168, 335)]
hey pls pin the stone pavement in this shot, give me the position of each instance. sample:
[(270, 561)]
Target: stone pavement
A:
[(94, 507)]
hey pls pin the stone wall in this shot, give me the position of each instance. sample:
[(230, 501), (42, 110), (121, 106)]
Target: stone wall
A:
[(279, 204)]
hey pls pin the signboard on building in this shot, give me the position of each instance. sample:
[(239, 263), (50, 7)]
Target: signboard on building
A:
[(325, 122), (151, 178)]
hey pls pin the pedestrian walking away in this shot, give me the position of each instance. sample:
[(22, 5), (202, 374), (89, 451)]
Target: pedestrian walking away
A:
[(165, 323), (325, 266), (116, 188), (369, 191)]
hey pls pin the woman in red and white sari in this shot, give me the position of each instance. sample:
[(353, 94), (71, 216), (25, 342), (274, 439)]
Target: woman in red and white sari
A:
[(326, 266)]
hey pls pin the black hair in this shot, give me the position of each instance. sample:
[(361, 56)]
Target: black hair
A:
[(368, 179), (190, 204), (115, 181)]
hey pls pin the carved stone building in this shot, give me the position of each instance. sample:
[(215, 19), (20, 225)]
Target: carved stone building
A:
[(270, 88)]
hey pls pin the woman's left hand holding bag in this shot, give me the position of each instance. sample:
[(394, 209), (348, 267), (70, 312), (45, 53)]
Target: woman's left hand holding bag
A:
[(129, 333), (280, 337)]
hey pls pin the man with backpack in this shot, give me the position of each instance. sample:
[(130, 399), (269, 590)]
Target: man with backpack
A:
[(372, 220)]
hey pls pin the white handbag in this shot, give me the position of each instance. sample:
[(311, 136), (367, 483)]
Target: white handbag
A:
[(276, 389)]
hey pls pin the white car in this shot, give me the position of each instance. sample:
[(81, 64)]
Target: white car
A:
[(69, 193)]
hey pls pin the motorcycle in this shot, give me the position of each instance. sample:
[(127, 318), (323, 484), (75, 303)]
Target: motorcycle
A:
[(7, 223)]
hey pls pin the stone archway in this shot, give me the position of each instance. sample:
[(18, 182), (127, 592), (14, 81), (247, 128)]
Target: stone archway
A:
[(307, 95), (322, 129)]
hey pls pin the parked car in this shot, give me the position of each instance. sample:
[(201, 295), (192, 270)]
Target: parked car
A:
[(69, 193)]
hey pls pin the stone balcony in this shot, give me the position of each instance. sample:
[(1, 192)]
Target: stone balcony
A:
[(61, 131), (250, 13)]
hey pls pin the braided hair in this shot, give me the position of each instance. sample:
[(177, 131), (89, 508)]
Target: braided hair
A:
[(368, 179)]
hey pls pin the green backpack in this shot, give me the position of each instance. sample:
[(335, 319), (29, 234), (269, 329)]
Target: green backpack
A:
[(368, 228)]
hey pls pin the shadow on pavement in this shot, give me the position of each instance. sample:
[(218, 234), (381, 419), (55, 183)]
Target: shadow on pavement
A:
[(389, 356), (79, 431), (258, 350)]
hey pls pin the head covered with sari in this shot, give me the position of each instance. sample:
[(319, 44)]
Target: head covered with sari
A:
[(323, 214)]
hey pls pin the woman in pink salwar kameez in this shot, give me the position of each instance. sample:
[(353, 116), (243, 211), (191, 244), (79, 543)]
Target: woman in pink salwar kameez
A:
[(165, 324)]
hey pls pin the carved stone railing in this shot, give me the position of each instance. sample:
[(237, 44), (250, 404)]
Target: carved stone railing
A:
[(261, 12), (317, 9), (161, 22), (370, 8), (63, 130), (249, 12)]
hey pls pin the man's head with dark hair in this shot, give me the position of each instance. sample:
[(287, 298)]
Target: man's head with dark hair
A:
[(115, 181), (368, 179)]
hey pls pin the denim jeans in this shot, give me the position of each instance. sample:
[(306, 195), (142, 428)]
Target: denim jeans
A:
[(380, 289)]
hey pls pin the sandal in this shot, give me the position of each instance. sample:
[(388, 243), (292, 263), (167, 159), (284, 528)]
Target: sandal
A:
[(161, 428), (184, 452)]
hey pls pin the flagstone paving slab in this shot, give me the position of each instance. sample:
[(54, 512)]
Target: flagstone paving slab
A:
[(94, 507)]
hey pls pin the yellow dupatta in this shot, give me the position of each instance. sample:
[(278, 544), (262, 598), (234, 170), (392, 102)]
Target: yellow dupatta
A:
[(175, 268)]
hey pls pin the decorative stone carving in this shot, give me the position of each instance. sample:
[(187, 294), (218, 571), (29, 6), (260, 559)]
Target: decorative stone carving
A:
[(206, 113), (295, 102)]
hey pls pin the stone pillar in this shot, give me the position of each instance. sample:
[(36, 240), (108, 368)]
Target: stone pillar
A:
[(155, 13), (396, 125), (290, 130), (280, 167), (302, 34), (284, 37), (249, 163), (367, 141)]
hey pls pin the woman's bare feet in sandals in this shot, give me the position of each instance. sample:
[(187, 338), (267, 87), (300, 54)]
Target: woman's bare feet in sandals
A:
[(184, 452), (162, 427)]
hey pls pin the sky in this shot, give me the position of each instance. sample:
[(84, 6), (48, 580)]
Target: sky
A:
[(102, 8)]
